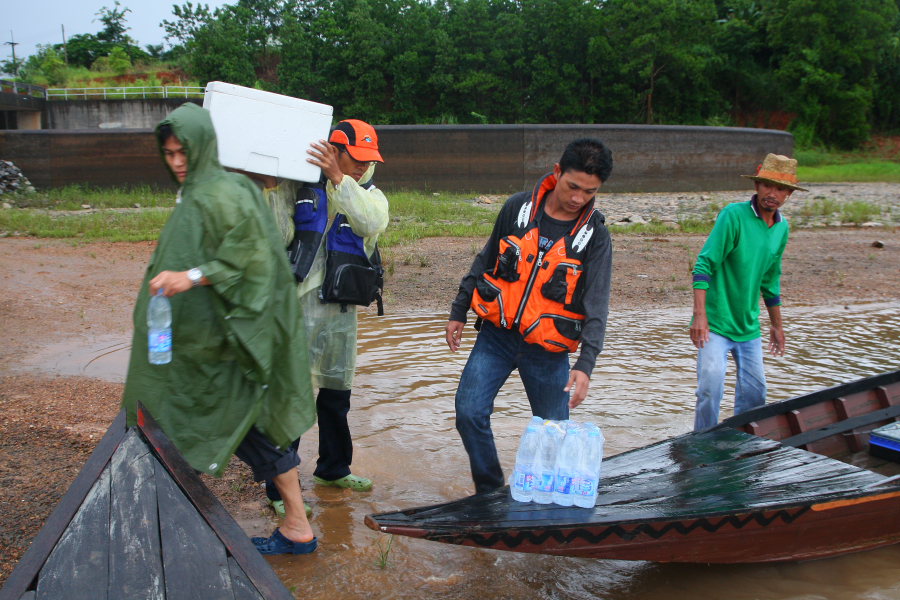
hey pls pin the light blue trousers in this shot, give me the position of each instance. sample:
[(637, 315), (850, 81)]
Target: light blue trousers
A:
[(750, 386)]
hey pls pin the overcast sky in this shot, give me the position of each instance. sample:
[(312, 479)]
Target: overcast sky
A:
[(34, 22)]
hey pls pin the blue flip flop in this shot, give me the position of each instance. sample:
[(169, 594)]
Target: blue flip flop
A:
[(278, 544)]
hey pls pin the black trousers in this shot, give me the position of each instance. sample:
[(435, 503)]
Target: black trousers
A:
[(335, 443)]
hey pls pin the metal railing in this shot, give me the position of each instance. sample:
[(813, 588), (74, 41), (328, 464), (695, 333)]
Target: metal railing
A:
[(26, 89), (124, 93)]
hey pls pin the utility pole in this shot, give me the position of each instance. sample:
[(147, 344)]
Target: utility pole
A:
[(65, 48), (12, 44)]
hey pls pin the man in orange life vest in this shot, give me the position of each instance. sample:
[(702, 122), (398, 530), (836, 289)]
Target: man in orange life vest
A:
[(539, 287)]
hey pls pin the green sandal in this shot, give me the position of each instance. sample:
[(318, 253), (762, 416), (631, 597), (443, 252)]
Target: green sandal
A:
[(352, 482), (278, 507)]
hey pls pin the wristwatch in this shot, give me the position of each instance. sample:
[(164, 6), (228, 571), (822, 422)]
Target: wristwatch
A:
[(195, 275)]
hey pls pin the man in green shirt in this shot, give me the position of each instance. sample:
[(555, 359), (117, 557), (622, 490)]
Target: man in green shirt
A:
[(238, 381), (740, 260)]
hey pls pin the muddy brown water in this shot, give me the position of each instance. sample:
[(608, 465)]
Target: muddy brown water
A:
[(642, 392)]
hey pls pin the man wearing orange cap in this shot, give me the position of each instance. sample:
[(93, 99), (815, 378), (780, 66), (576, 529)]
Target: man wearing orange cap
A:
[(329, 228), (740, 260)]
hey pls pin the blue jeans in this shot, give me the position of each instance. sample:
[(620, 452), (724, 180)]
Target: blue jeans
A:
[(750, 386), (494, 356)]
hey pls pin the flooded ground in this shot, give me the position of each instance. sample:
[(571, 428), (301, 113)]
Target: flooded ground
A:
[(642, 391)]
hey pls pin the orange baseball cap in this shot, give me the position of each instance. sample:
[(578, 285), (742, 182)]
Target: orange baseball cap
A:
[(360, 139)]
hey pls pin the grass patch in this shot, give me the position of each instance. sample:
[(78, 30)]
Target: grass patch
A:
[(857, 211), (417, 215), (851, 172), (877, 160), (58, 214), (824, 207), (101, 225), (73, 197), (384, 551)]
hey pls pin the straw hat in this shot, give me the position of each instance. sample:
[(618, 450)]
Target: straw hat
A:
[(779, 170)]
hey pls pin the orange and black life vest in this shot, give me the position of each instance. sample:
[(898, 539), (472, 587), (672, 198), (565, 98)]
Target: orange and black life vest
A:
[(536, 290)]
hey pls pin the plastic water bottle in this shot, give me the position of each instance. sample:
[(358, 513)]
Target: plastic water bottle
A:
[(568, 459), (545, 465), (522, 479), (589, 467), (159, 329)]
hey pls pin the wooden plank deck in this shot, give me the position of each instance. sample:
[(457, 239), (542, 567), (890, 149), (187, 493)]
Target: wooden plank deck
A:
[(695, 475), (129, 528)]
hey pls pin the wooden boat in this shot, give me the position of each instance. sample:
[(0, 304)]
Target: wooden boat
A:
[(138, 522), (788, 481)]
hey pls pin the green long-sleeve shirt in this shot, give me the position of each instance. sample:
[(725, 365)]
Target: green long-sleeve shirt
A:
[(740, 260)]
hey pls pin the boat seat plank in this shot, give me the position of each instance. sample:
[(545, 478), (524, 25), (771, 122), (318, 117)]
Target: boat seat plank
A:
[(78, 567), (713, 472), (135, 564), (194, 562), (809, 437)]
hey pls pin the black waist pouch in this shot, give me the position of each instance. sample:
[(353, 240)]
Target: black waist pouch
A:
[(353, 279)]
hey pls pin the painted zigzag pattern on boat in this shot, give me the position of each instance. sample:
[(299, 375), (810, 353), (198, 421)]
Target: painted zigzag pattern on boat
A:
[(540, 537)]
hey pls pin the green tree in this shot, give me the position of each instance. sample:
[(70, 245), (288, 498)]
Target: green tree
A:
[(742, 67), (45, 67), (114, 28), (480, 61), (561, 84), (119, 61), (827, 56), (84, 49), (236, 43), (10, 67), (886, 100), (664, 55), (155, 51)]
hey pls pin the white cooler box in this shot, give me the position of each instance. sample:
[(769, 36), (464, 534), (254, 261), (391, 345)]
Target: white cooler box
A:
[(264, 132)]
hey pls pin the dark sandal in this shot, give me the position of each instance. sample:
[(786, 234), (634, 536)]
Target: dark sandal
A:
[(278, 544)]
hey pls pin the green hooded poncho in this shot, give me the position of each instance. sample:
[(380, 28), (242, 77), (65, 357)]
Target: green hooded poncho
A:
[(239, 352)]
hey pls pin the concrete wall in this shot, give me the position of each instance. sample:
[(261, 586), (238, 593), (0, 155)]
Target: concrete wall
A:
[(109, 114), (466, 158), (504, 158), (94, 158)]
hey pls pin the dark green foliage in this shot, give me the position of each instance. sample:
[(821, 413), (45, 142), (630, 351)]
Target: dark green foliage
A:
[(85, 48), (114, 27), (828, 51)]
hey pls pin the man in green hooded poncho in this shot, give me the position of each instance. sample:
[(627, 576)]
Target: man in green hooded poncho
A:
[(238, 381)]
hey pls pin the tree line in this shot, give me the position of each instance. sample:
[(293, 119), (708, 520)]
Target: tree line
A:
[(827, 69)]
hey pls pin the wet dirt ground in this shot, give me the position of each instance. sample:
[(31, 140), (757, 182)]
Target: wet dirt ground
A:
[(54, 292)]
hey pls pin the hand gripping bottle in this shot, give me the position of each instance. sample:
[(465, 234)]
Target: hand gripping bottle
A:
[(589, 467), (544, 466), (567, 461), (520, 483), (159, 329)]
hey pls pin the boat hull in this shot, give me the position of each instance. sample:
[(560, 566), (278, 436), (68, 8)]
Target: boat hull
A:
[(801, 533), (751, 490)]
